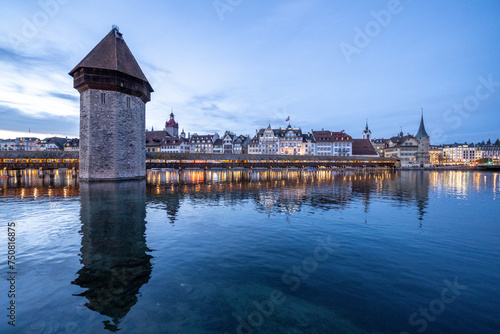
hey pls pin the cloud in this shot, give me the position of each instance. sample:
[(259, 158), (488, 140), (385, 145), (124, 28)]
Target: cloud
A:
[(7, 55), (65, 96), (15, 120)]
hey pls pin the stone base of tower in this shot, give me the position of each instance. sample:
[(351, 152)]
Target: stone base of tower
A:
[(112, 136), (423, 160)]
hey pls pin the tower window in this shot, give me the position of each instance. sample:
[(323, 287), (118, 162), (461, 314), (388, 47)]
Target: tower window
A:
[(128, 102), (103, 98)]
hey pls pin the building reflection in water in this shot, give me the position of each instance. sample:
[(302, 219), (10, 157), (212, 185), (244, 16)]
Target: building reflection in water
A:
[(411, 187), (34, 182), (286, 192), (114, 255)]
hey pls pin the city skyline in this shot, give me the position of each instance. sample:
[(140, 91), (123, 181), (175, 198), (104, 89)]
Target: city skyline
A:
[(237, 65)]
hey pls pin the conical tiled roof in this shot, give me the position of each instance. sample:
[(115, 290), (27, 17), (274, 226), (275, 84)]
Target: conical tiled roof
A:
[(421, 130), (112, 53)]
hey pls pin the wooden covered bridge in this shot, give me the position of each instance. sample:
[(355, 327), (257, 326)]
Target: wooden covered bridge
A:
[(15, 160)]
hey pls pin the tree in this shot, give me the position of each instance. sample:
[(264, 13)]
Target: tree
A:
[(482, 143), (497, 143), (488, 142)]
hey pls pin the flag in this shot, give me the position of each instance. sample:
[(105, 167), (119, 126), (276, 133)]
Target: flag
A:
[(287, 119)]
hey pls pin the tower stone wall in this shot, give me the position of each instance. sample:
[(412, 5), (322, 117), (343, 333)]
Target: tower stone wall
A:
[(112, 136), (424, 142), (422, 155)]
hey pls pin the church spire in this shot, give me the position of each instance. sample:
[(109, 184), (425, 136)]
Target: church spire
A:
[(366, 132), (421, 130)]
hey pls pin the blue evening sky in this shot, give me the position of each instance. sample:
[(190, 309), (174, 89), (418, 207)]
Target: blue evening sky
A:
[(239, 64)]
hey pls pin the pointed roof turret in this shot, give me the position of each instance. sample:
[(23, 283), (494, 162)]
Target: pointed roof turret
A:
[(112, 53), (111, 66), (421, 130), (366, 130)]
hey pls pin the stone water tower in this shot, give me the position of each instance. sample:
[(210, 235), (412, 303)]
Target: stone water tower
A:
[(113, 96)]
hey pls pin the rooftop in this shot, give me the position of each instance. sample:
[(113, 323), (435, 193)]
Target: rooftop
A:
[(112, 53)]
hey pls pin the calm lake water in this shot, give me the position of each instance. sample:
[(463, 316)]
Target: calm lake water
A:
[(238, 252)]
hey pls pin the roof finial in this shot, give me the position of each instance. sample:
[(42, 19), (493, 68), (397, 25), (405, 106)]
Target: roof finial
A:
[(116, 29)]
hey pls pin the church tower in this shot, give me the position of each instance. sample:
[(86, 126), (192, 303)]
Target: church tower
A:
[(367, 134), (172, 127), (113, 96), (424, 143)]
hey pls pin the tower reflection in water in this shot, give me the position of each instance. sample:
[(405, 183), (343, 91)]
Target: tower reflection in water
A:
[(114, 255)]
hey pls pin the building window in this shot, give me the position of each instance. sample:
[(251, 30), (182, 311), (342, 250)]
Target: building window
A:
[(103, 98), (128, 102)]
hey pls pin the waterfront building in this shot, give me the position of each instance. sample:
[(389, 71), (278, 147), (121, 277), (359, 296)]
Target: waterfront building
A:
[(459, 154), (231, 144), (168, 139), (240, 145), (488, 151), (284, 141), (218, 147), (113, 96), (52, 144), (436, 155), (413, 151), (26, 144), (422, 156), (363, 148), (202, 143), (227, 142), (7, 144), (175, 145), (379, 145), (342, 144), (309, 144), (291, 141), (253, 145), (268, 141), (404, 148), (324, 144), (72, 145), (330, 143), (265, 141), (154, 140)]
